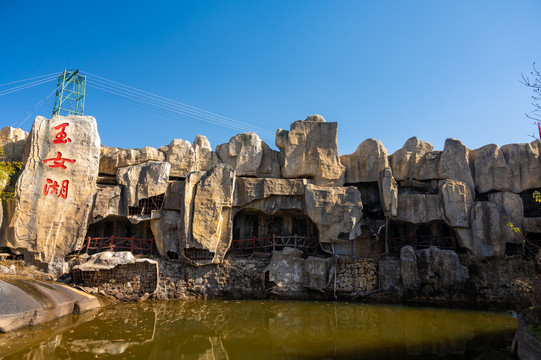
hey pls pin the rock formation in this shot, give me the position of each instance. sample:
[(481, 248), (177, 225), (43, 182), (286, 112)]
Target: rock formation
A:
[(53, 195), (200, 205)]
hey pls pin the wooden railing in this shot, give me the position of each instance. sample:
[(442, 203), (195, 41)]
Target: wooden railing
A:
[(116, 243), (274, 242)]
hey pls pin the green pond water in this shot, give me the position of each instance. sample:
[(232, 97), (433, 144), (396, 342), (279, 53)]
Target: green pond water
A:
[(265, 330)]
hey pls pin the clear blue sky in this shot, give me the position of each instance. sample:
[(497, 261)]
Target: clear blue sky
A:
[(382, 69)]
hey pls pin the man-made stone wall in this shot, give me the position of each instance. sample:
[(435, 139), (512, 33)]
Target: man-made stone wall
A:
[(360, 276)]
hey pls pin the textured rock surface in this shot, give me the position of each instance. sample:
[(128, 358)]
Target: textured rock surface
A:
[(13, 141), (309, 149), (454, 163), (180, 154), (107, 201), (432, 270), (405, 158), (336, 211), (388, 192), (207, 219), (143, 181), (204, 157), (249, 189), (112, 159), (164, 226), (490, 169), (486, 229), (54, 196), (524, 161), (286, 271), (366, 163), (457, 201), (419, 208), (243, 153)]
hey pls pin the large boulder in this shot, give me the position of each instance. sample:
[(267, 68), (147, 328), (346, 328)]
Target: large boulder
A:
[(336, 211), (54, 193), (418, 208), (490, 169), (143, 181), (511, 211), (204, 157), (427, 168), (524, 161), (13, 141), (286, 272), (164, 225), (180, 154), (248, 155), (454, 163), (486, 228), (457, 201), (310, 150), (107, 202), (405, 159), (366, 163), (432, 270), (206, 222), (388, 193), (112, 159), (250, 189)]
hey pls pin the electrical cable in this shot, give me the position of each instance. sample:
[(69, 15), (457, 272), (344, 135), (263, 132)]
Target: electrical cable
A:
[(176, 110), (189, 112), (26, 86), (34, 109), (177, 104), (42, 76)]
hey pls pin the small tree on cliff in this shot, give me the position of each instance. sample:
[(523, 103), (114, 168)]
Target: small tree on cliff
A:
[(7, 169), (534, 81)]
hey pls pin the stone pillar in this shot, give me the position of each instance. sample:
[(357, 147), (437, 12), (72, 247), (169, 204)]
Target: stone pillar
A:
[(54, 192)]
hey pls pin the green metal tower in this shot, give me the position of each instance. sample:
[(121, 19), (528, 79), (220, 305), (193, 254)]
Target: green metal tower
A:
[(70, 94)]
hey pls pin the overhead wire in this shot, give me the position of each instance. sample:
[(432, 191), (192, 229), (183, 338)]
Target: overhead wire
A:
[(188, 112), (26, 86), (172, 109), (36, 77), (165, 113), (178, 105), (33, 110)]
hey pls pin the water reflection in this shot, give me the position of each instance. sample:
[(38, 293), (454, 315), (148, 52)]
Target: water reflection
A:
[(265, 330)]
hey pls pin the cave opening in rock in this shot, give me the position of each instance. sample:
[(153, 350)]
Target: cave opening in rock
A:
[(121, 235), (421, 236), (533, 245), (255, 231), (411, 186), (370, 199), (146, 206), (532, 209)]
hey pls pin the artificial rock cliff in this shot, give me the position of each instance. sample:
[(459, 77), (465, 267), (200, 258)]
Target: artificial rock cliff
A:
[(195, 202)]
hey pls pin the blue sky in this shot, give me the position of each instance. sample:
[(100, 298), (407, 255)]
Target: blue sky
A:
[(382, 69)]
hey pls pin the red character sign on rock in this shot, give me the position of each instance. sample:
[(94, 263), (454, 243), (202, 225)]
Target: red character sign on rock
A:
[(51, 188), (58, 161), (61, 137)]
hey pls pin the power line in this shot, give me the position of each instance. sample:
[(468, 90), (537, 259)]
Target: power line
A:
[(177, 104), (172, 109), (33, 110), (26, 86), (42, 76)]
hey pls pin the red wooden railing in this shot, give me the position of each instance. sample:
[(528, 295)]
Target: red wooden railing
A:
[(117, 243), (271, 243)]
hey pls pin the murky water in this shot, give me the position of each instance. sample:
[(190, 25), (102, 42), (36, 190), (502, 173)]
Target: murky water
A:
[(265, 330)]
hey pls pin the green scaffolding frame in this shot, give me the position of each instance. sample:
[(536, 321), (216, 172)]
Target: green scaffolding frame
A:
[(70, 94)]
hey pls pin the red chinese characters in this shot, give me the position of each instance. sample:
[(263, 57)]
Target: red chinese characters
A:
[(61, 137), (58, 161), (51, 188)]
